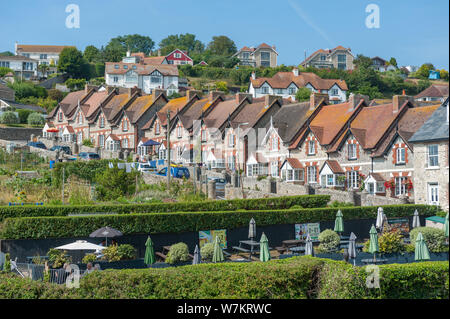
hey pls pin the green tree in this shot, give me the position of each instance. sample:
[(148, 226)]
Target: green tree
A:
[(113, 53), (424, 71), (4, 71), (114, 183), (444, 74), (186, 42), (27, 89), (23, 115), (36, 119), (9, 118), (393, 62), (362, 61), (43, 68), (6, 53), (71, 62), (302, 94), (56, 95), (221, 86), (222, 45), (92, 54), (132, 42)]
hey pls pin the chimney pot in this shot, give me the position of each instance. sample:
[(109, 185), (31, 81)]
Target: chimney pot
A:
[(398, 101), (191, 93), (241, 96), (214, 94), (315, 98)]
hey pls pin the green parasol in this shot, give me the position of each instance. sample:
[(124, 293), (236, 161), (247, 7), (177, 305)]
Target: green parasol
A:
[(149, 257), (264, 254), (421, 251), (339, 223), (218, 253), (373, 247)]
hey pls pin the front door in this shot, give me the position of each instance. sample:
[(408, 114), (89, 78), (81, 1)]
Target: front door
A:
[(433, 194)]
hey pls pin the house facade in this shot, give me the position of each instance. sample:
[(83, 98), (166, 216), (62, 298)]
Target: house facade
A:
[(179, 57), (431, 159), (23, 67), (44, 54), (286, 85), (433, 93), (263, 55), (337, 58)]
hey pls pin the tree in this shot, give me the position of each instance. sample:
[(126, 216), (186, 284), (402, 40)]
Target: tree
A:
[(43, 68), (132, 42), (221, 86), (424, 71), (444, 74), (23, 115), (114, 183), (302, 94), (71, 62), (4, 71), (9, 118), (113, 53), (183, 42), (362, 61), (36, 119), (92, 54), (6, 53), (27, 89), (393, 62), (56, 95), (222, 45)]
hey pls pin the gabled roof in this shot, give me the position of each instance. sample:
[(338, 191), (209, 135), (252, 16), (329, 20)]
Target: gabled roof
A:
[(293, 162), (334, 166), (154, 60), (435, 128), (16, 58), (434, 90), (141, 69), (326, 51), (252, 112), (174, 106), (139, 106), (282, 80), (219, 115)]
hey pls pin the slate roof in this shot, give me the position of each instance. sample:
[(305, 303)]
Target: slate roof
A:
[(435, 128), (289, 119)]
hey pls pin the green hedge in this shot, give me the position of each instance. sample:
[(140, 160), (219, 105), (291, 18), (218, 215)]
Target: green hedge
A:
[(305, 201), (81, 226), (293, 278), (422, 280)]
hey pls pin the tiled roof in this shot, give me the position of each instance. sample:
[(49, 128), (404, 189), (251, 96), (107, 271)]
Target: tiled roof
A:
[(113, 137), (154, 60), (334, 166), (70, 129), (407, 125), (435, 128), (141, 69), (294, 162), (434, 90), (339, 47), (139, 106), (219, 115), (94, 102), (42, 48), (282, 80), (16, 58), (289, 119), (194, 112), (251, 113), (377, 176), (173, 106)]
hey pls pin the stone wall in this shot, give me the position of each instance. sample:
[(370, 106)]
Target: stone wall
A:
[(18, 133), (337, 195), (252, 183), (375, 200), (287, 189)]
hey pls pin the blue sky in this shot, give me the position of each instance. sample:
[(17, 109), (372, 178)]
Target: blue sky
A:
[(413, 31)]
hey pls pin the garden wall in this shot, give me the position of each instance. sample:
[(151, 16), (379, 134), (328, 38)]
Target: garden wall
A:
[(18, 133)]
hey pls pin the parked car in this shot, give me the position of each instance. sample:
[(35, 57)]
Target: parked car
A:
[(88, 156), (176, 171), (145, 167), (65, 149), (37, 144)]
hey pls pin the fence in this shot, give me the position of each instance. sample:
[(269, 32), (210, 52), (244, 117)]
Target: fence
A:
[(37, 272)]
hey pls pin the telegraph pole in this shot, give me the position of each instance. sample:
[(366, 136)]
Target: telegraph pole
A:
[(62, 192), (168, 150)]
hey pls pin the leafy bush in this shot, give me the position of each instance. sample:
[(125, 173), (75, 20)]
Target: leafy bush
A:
[(434, 238), (126, 252), (57, 258), (329, 240), (35, 119), (114, 182), (389, 243), (80, 226), (207, 251), (9, 117), (89, 258), (87, 142), (340, 204), (178, 253), (23, 115), (111, 253)]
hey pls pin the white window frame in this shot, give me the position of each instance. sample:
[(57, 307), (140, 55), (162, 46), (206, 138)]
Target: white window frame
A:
[(311, 147), (400, 186), (401, 155), (351, 151), (433, 194), (353, 179), (433, 156), (312, 174), (179, 135), (125, 125), (274, 169)]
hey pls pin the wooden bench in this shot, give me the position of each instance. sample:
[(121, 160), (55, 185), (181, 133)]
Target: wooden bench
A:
[(281, 250), (244, 250), (161, 255)]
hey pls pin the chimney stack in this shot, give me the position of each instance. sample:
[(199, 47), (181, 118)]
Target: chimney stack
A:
[(355, 99), (88, 87), (253, 75), (214, 94), (316, 97), (241, 96), (398, 101), (157, 92), (128, 53), (133, 90), (295, 71), (269, 99), (191, 93)]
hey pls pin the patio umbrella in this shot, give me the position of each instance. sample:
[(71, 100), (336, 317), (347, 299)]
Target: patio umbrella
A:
[(81, 245), (149, 257), (352, 247), (339, 223), (106, 232), (309, 249), (264, 254), (421, 251), (252, 229), (197, 257), (380, 218), (446, 226), (416, 220), (218, 253), (373, 247)]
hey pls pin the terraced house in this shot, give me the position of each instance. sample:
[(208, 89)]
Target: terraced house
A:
[(286, 85)]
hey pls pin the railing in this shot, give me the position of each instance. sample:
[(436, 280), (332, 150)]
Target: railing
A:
[(37, 272)]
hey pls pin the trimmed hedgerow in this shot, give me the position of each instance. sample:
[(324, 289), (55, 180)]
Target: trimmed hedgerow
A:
[(292, 278), (424, 280), (81, 226), (305, 201)]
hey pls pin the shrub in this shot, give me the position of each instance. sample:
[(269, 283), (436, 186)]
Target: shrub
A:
[(89, 258), (9, 118), (178, 253), (87, 142), (207, 251), (329, 240), (340, 204), (389, 243), (138, 222), (23, 115), (434, 238), (126, 252), (35, 119), (57, 258), (111, 253), (114, 182)]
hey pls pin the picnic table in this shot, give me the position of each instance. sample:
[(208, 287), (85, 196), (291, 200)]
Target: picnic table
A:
[(358, 247), (297, 249), (373, 261), (251, 249)]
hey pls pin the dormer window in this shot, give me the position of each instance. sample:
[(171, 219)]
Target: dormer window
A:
[(177, 55), (274, 144), (80, 119), (179, 131)]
